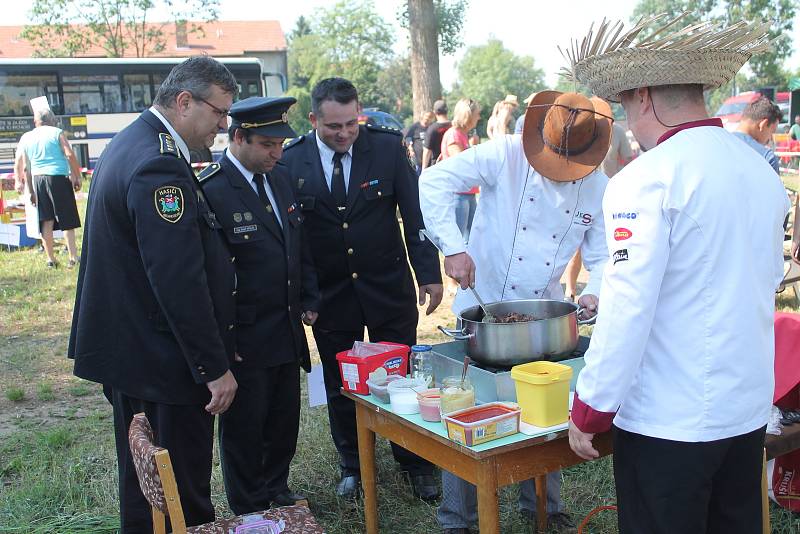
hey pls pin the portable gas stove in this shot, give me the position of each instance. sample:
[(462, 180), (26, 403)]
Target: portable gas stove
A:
[(492, 383)]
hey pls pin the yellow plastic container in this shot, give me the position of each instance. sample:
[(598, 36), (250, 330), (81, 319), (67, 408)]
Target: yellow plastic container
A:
[(543, 392)]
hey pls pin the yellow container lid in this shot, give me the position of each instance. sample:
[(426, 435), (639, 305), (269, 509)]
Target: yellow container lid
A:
[(541, 372)]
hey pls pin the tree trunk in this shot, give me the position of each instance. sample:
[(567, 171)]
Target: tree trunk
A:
[(425, 84)]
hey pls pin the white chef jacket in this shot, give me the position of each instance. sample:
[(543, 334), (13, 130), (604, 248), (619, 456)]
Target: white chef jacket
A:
[(683, 348), (526, 228)]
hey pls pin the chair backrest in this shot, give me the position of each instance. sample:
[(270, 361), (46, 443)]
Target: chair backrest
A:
[(156, 477)]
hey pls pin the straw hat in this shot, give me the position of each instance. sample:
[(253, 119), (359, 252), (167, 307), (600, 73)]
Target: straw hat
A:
[(609, 62), (566, 135), (511, 99)]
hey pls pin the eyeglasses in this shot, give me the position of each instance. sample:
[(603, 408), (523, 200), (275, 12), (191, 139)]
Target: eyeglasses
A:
[(219, 111)]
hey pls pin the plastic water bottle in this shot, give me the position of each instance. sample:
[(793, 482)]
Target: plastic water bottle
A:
[(422, 364)]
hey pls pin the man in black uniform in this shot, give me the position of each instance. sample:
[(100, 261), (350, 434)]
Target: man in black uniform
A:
[(349, 180), (277, 287), (154, 310)]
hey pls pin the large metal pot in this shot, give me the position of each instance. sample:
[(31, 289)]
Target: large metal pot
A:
[(553, 334)]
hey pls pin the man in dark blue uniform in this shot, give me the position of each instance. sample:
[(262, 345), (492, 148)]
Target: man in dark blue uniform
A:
[(349, 181), (277, 288), (153, 317)]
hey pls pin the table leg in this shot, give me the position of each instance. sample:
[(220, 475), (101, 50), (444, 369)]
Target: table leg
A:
[(366, 456), (541, 503), (488, 509)]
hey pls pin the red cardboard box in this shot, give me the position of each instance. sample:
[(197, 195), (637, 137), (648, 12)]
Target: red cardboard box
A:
[(355, 370)]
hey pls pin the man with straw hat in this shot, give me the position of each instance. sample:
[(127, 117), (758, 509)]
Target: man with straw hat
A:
[(681, 358), (541, 200)]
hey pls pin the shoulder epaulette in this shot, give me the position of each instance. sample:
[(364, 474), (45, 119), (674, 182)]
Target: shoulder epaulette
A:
[(168, 145), (384, 129), (208, 172), (294, 142)]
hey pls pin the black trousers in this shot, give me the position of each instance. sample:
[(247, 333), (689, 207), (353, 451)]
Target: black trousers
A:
[(342, 411), (258, 435), (187, 432), (673, 487)]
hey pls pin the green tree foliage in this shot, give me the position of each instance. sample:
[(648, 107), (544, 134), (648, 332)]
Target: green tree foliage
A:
[(395, 89), (449, 23), (767, 67), (349, 40), (68, 28), (489, 72)]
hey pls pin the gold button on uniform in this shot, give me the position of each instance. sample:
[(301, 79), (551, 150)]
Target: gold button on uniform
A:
[(233, 259), (233, 293), (246, 236), (230, 327), (355, 275), (289, 282), (345, 226), (350, 251)]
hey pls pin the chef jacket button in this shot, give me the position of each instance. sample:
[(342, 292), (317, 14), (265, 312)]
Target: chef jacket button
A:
[(520, 258), (531, 199), (246, 236), (354, 275), (535, 292), (524, 227), (230, 327), (554, 236), (513, 287), (350, 251), (567, 211), (547, 263), (573, 183), (345, 226)]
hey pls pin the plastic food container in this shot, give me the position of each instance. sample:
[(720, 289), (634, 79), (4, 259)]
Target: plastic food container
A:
[(265, 526), (355, 370), (429, 404), (479, 424), (381, 388), (543, 392), (403, 395)]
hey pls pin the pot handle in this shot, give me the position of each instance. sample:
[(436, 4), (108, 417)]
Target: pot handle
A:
[(584, 321), (458, 335)]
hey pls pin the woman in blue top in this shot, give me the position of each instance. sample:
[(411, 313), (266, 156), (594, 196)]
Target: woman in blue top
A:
[(50, 168)]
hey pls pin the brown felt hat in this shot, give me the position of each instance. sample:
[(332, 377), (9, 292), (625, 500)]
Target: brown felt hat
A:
[(566, 135)]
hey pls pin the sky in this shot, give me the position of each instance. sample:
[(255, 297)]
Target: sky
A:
[(534, 30)]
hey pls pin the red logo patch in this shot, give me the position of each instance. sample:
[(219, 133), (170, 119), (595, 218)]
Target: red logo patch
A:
[(621, 234)]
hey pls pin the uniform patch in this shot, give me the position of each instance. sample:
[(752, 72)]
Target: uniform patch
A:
[(237, 217), (168, 145), (300, 182), (620, 255), (621, 234), (169, 203), (248, 216), (208, 172), (245, 229)]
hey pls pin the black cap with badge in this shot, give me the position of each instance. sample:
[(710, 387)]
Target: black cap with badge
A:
[(262, 115)]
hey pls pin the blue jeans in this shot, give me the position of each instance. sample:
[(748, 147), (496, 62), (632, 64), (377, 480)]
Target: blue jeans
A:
[(465, 212)]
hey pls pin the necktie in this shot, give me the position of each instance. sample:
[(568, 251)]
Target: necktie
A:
[(337, 181), (262, 192)]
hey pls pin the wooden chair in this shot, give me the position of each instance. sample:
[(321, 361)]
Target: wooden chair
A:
[(157, 481)]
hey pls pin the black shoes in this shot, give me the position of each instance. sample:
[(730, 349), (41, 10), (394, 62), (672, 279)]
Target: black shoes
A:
[(425, 487), (349, 487), (287, 498), (559, 522)]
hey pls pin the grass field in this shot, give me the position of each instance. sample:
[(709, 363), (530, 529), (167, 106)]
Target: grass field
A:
[(57, 460)]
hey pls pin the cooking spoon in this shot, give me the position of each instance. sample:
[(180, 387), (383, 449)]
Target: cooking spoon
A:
[(464, 370)]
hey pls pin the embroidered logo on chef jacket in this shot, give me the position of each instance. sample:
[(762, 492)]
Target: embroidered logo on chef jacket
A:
[(584, 219), (245, 229), (620, 255), (621, 234), (625, 215)]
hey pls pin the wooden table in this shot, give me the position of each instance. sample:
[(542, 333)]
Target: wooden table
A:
[(487, 468)]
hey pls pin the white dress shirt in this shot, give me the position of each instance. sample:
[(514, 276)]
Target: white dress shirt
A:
[(183, 148), (526, 228), (248, 175), (326, 158), (683, 348)]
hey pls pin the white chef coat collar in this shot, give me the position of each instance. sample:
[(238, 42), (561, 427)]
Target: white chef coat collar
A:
[(183, 148)]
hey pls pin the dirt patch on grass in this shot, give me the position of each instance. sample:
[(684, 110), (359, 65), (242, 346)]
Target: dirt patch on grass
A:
[(35, 414)]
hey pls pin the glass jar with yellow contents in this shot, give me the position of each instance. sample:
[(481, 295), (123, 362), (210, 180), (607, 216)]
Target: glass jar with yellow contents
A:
[(456, 395)]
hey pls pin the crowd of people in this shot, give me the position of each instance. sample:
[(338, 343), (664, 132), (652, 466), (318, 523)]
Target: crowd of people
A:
[(218, 273)]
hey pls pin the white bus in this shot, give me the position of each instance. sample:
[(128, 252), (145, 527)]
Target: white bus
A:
[(94, 98)]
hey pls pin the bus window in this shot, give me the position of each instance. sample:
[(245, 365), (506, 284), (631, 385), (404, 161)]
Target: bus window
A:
[(92, 94), (16, 90), (136, 90), (248, 88)]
